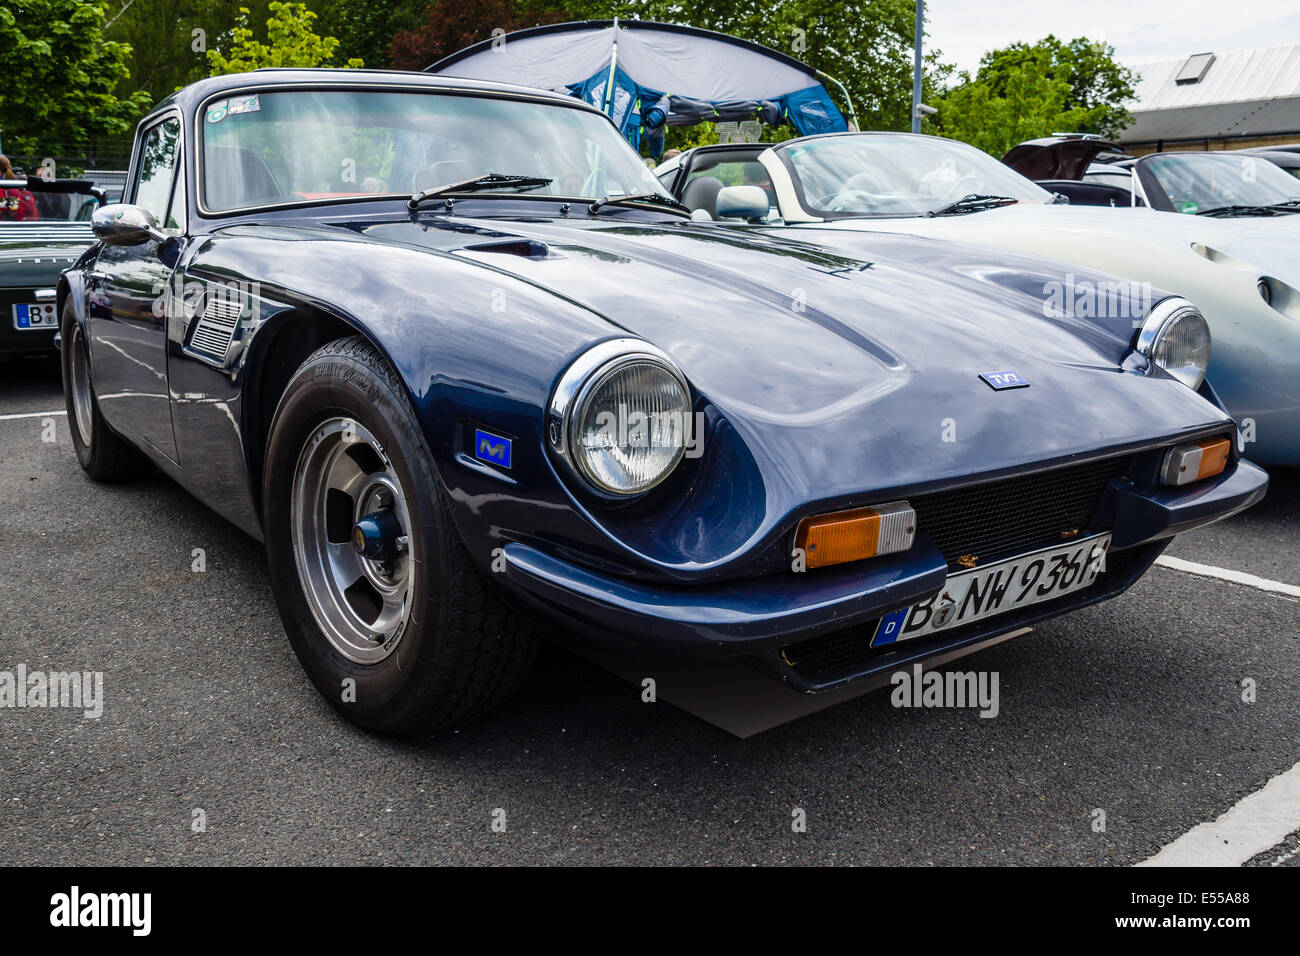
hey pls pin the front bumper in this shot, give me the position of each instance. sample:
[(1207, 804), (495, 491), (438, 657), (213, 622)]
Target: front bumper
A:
[(760, 615)]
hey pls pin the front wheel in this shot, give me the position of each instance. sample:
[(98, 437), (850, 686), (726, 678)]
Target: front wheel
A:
[(381, 601)]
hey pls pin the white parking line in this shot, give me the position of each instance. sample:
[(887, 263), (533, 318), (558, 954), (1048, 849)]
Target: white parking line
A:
[(1260, 821), (6, 418), (1227, 574)]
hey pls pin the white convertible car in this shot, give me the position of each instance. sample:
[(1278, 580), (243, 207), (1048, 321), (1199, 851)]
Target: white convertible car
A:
[(1243, 274)]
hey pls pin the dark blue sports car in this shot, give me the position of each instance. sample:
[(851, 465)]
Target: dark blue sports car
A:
[(451, 351)]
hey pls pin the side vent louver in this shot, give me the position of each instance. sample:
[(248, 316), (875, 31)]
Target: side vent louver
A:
[(216, 326)]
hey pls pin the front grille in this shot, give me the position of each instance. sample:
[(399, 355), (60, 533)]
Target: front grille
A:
[(848, 653), (1002, 518)]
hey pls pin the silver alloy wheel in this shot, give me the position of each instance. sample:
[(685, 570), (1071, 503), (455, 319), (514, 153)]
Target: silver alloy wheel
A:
[(82, 399), (362, 604)]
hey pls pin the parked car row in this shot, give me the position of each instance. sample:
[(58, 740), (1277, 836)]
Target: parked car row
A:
[(851, 422)]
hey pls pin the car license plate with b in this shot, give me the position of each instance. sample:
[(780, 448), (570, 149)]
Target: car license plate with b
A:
[(1017, 582)]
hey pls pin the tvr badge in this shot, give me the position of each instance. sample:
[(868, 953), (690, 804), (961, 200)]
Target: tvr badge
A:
[(1007, 378)]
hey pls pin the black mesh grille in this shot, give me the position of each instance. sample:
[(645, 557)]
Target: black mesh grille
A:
[(1002, 518), (843, 654)]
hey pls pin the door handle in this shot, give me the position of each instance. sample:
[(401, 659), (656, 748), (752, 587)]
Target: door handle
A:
[(99, 276)]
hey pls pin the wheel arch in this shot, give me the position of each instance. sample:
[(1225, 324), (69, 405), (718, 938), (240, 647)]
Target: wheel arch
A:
[(273, 356)]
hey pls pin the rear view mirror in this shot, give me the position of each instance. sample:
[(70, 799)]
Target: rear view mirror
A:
[(742, 202), (122, 224)]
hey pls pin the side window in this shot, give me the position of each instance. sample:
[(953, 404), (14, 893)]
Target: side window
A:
[(159, 160)]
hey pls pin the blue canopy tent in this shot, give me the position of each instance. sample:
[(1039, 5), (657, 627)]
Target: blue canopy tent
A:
[(648, 76)]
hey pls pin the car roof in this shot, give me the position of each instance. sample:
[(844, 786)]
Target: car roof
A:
[(188, 98)]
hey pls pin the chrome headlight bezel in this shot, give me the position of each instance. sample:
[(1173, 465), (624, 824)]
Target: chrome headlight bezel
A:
[(572, 399), (1160, 322)]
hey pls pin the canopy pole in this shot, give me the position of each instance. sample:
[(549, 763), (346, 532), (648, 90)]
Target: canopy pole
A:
[(613, 63), (848, 101)]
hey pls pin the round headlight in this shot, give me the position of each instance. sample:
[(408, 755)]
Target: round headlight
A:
[(1175, 336), (621, 417)]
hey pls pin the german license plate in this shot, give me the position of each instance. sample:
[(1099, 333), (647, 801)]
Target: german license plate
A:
[(983, 592), (35, 316)]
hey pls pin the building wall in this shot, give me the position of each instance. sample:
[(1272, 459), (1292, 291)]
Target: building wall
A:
[(1200, 145)]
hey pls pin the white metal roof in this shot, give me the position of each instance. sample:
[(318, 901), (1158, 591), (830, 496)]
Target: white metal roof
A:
[(1252, 92)]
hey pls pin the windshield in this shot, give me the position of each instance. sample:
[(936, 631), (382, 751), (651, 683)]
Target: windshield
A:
[(883, 174), (299, 146), (1195, 182)]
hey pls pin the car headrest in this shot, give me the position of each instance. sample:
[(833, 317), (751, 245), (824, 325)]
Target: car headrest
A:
[(235, 177), (702, 193)]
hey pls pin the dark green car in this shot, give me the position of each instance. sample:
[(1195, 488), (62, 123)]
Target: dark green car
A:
[(44, 229)]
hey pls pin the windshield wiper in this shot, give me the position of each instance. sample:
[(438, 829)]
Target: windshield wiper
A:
[(490, 181), (972, 202), (659, 198), (1264, 209)]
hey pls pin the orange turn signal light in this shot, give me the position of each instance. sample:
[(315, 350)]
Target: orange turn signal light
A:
[(1195, 460), (856, 534)]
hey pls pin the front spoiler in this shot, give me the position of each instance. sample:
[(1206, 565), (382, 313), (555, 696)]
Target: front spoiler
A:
[(760, 614)]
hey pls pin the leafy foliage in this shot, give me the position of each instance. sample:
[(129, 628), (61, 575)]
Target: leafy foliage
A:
[(1030, 90), (451, 25), (60, 76), (292, 38)]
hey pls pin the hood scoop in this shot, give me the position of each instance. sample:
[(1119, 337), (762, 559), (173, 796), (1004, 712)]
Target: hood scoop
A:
[(522, 248)]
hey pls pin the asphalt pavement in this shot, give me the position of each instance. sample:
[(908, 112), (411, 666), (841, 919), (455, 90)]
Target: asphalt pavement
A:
[(213, 747)]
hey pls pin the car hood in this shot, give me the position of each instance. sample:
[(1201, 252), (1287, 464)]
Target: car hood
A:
[(844, 365), (1111, 238)]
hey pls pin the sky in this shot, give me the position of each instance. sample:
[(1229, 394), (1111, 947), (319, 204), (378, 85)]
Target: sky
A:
[(1139, 30)]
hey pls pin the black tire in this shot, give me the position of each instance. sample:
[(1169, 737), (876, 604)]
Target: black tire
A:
[(463, 650), (103, 455)]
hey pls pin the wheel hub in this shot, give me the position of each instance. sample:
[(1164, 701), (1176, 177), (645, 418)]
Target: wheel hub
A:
[(376, 535), (352, 541)]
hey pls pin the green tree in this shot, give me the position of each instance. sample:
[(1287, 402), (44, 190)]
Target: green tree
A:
[(1097, 82), (365, 28), (293, 42), (1026, 91), (169, 39), (60, 75)]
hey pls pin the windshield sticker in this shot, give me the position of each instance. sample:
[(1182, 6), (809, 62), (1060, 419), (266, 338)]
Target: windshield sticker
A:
[(217, 111), (245, 104), (1189, 207)]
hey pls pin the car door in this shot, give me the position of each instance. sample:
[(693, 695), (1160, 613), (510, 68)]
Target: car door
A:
[(128, 291)]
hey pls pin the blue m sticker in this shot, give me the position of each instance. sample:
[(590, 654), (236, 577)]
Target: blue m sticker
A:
[(492, 448), (1007, 378)]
